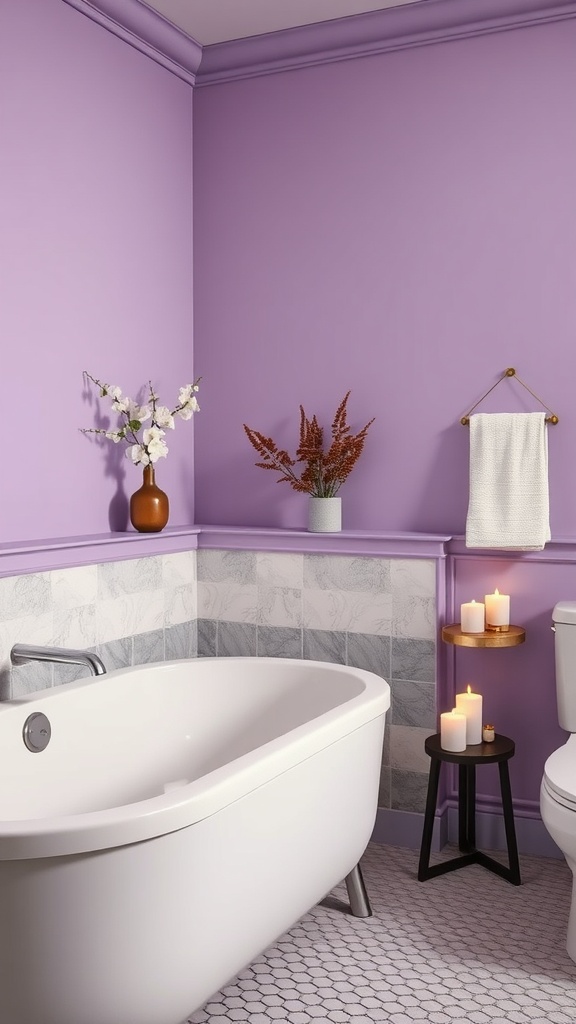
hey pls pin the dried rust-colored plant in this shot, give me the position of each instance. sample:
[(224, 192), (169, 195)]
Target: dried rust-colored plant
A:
[(324, 472)]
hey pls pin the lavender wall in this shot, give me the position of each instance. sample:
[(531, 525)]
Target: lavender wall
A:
[(518, 683), (95, 263), (403, 225)]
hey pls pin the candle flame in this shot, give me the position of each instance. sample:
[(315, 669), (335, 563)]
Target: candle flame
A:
[(472, 601), (469, 688), (496, 592)]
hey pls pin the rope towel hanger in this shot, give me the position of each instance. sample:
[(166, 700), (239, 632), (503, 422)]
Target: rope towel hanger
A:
[(510, 372)]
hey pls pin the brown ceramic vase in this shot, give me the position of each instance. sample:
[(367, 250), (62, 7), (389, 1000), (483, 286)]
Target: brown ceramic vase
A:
[(149, 509)]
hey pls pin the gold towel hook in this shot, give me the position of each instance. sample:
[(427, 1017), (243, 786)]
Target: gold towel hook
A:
[(510, 372)]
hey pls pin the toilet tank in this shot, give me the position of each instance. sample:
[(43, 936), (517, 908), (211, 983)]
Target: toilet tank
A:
[(564, 619)]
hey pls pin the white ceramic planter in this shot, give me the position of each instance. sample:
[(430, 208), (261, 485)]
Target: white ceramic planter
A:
[(324, 515)]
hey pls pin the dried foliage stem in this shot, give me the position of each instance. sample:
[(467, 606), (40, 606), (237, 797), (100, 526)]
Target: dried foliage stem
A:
[(323, 472)]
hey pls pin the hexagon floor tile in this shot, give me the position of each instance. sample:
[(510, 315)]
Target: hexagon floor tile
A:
[(464, 948)]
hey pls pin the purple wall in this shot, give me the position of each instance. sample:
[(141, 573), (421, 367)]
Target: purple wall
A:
[(403, 225), (517, 683), (95, 263)]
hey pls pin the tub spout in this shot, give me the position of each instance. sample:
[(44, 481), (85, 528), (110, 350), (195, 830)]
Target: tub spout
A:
[(22, 653)]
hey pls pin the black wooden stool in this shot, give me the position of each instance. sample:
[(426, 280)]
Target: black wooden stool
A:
[(498, 752)]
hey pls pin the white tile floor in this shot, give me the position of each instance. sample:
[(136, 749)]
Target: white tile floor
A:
[(464, 948)]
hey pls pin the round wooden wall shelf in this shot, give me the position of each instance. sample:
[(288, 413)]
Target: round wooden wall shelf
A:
[(511, 638)]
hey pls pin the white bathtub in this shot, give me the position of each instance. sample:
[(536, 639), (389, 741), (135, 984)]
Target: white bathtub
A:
[(182, 817)]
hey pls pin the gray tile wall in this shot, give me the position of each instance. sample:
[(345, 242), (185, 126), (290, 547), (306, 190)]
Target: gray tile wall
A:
[(373, 613), (129, 612)]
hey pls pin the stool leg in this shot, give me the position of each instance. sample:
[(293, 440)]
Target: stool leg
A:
[(466, 808), (471, 806), (508, 811), (428, 828), (462, 808)]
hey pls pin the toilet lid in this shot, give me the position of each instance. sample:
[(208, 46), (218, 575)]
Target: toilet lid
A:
[(560, 775)]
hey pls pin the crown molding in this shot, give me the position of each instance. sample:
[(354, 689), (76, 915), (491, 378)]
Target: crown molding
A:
[(422, 23), (419, 24), (147, 31)]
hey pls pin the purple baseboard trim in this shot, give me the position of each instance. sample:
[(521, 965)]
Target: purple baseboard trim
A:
[(404, 828), (374, 32), (65, 552), (147, 31), (531, 835), (347, 542)]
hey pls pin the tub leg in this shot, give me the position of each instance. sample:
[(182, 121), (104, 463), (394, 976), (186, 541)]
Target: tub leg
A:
[(359, 902)]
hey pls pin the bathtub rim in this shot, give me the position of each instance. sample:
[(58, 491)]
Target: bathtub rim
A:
[(87, 832)]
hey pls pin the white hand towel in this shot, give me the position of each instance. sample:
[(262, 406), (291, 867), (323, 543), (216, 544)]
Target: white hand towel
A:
[(509, 503)]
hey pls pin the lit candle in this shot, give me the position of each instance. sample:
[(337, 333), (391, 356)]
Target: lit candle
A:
[(497, 611), (472, 617), (488, 734), (470, 705), (453, 731)]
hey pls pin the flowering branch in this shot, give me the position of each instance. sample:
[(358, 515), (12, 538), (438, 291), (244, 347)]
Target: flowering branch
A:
[(324, 472), (151, 446)]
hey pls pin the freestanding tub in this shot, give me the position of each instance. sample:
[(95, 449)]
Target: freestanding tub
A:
[(181, 818)]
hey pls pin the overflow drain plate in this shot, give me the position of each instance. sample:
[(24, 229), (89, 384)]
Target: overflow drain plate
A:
[(36, 732)]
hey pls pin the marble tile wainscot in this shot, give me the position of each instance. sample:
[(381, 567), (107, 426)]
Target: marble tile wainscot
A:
[(128, 611), (369, 600)]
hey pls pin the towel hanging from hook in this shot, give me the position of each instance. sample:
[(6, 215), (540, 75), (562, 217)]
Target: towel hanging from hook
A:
[(510, 372)]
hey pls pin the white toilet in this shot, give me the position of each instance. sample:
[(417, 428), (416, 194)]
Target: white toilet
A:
[(558, 789)]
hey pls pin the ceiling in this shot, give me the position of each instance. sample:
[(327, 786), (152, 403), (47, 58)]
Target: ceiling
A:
[(215, 21)]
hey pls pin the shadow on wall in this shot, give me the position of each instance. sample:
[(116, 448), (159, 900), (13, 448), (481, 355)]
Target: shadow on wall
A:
[(114, 459), (119, 506)]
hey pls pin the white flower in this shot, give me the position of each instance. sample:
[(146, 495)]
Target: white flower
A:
[(139, 455), (155, 446), (157, 450), (163, 417), (190, 406), (150, 446), (119, 403), (138, 412), (152, 434)]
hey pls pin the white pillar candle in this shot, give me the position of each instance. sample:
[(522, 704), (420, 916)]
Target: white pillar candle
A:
[(497, 609), (453, 731), (470, 705), (472, 617)]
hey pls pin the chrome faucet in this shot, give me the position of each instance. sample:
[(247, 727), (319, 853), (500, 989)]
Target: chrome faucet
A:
[(21, 653)]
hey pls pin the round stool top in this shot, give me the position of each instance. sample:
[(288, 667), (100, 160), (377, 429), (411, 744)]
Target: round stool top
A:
[(501, 749)]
